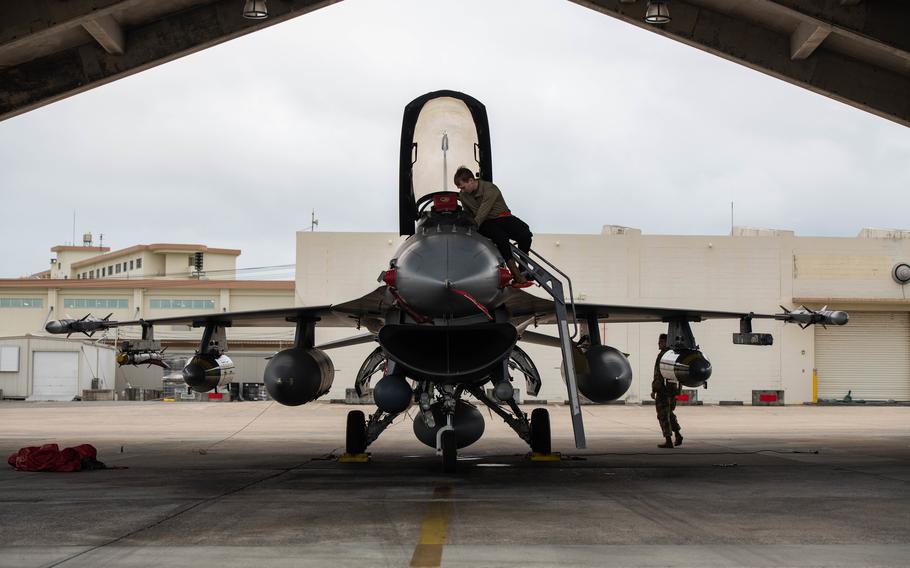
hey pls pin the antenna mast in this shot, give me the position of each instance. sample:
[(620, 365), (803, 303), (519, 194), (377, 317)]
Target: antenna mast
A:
[(445, 158)]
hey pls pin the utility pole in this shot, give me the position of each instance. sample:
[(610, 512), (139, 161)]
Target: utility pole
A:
[(314, 222), (731, 218)]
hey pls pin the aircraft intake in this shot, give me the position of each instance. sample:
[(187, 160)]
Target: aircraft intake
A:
[(688, 366), (298, 375), (453, 353), (206, 371), (467, 421), (603, 372)]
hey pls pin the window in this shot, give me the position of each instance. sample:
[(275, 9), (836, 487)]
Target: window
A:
[(138, 263), (191, 260), (9, 358), (110, 270), (96, 303), (131, 265), (22, 303), (124, 266), (182, 304), (118, 268)]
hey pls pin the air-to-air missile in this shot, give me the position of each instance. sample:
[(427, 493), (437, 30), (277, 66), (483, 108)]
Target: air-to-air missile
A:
[(87, 325)]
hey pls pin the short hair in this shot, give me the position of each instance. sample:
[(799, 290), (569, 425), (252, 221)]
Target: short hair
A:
[(662, 336), (463, 174)]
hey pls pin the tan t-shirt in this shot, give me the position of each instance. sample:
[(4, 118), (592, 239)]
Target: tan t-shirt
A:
[(485, 202)]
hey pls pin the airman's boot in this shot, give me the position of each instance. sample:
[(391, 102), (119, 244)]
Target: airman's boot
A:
[(667, 444), (679, 439), (517, 276)]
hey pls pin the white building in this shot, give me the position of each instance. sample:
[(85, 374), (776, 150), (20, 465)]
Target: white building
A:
[(751, 270), (54, 368)]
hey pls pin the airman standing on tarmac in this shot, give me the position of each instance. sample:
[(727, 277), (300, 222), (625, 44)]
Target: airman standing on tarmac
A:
[(664, 393)]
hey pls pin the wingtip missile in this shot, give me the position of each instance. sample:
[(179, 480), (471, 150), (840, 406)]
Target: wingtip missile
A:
[(86, 325), (805, 316)]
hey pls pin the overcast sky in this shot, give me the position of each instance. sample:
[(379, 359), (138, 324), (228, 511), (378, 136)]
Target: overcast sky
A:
[(593, 122)]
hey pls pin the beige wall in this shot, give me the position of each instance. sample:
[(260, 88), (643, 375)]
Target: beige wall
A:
[(756, 270), (19, 321), (63, 267), (173, 264)]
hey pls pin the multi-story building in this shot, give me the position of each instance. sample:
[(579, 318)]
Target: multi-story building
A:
[(159, 260), (751, 269), (142, 281)]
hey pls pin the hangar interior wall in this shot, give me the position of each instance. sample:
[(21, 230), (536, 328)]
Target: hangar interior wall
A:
[(752, 270)]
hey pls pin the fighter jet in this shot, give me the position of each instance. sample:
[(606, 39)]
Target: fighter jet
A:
[(446, 317)]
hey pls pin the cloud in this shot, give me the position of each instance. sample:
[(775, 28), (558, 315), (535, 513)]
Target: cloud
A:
[(593, 122)]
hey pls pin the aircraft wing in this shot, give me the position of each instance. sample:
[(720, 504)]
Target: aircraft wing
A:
[(364, 311), (525, 307)]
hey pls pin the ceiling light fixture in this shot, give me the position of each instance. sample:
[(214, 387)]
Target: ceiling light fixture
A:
[(255, 10), (657, 12)]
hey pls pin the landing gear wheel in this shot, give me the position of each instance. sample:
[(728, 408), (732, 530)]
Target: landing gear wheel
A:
[(449, 451), (356, 433), (540, 431)]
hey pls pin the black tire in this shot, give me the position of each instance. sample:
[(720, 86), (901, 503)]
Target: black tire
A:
[(449, 451), (540, 431), (356, 433)]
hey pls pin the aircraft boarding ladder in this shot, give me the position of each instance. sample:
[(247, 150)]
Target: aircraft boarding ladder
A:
[(554, 287)]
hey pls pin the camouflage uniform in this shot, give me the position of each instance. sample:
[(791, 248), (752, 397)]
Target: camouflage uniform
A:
[(665, 392), (494, 220)]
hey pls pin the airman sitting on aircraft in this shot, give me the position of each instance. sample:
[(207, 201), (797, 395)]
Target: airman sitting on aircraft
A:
[(484, 201)]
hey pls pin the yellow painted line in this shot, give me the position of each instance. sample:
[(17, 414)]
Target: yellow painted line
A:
[(354, 458), (538, 457), (814, 386), (433, 530)]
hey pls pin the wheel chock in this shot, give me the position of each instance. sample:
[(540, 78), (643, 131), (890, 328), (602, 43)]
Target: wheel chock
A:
[(354, 458), (539, 457)]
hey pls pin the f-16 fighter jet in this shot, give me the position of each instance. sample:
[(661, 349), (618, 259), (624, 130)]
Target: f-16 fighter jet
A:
[(447, 319)]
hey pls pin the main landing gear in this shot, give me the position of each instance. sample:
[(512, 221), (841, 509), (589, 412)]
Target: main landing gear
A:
[(361, 432)]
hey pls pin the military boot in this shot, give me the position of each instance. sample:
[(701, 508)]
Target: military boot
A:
[(679, 439), (667, 444)]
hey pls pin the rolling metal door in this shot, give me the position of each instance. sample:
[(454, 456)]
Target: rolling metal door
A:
[(869, 356), (55, 375)]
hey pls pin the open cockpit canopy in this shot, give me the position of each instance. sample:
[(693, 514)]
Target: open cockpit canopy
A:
[(440, 131)]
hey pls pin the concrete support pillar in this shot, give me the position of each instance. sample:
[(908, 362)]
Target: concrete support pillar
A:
[(806, 39), (139, 302)]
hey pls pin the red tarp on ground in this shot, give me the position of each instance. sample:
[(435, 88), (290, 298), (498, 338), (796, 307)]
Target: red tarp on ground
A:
[(50, 457)]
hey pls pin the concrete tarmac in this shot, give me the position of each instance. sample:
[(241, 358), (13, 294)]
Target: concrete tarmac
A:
[(256, 484)]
